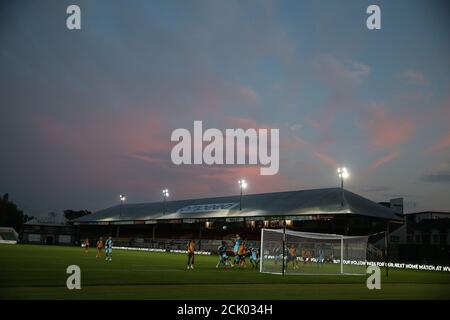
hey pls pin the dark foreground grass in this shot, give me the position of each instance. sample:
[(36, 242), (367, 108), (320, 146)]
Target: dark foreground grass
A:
[(39, 272)]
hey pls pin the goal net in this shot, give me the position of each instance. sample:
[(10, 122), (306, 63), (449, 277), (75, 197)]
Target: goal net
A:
[(293, 252)]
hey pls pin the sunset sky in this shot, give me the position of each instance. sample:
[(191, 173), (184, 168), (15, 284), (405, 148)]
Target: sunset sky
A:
[(87, 115)]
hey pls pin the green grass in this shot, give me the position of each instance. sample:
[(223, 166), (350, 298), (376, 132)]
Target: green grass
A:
[(39, 272)]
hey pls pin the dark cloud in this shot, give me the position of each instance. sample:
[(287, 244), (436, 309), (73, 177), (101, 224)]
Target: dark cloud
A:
[(437, 177)]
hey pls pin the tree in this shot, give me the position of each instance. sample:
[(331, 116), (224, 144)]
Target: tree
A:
[(72, 214), (27, 218), (10, 215)]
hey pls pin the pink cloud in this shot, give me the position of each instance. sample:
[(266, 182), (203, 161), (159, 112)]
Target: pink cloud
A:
[(324, 119), (287, 141), (248, 95), (113, 132), (342, 77), (386, 129), (327, 159), (314, 123), (310, 167), (245, 123), (292, 142), (442, 115), (414, 77), (100, 145), (151, 159), (385, 159), (441, 144), (55, 132)]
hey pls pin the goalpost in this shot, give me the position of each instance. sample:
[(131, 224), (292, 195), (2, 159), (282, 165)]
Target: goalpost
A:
[(293, 252)]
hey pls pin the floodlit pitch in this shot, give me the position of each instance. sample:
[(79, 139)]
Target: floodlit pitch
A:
[(39, 272)]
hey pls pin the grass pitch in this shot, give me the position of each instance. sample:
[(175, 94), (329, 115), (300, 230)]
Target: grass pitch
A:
[(39, 272)]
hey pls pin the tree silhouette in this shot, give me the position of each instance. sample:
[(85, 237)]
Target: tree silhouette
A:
[(10, 215)]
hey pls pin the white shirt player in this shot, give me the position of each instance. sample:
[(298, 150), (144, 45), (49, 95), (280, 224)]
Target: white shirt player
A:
[(108, 244)]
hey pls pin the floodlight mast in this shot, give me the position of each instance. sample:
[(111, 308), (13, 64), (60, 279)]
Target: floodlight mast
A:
[(165, 196), (343, 174), (122, 198), (243, 185)]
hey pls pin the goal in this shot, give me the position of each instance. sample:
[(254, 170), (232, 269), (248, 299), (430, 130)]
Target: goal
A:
[(293, 252)]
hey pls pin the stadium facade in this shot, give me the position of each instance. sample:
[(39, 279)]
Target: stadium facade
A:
[(329, 210), (49, 232)]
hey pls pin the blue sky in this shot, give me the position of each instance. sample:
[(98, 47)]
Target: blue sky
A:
[(87, 115)]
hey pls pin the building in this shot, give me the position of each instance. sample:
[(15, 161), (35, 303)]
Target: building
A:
[(425, 237), (8, 235), (49, 231), (318, 210)]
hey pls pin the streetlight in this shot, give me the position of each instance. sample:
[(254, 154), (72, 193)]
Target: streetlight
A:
[(165, 195), (243, 185), (122, 198), (343, 174)]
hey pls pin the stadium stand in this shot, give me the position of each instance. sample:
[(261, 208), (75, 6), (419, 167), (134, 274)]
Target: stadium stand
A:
[(8, 235)]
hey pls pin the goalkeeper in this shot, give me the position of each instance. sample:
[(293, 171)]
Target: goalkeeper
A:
[(292, 257)]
